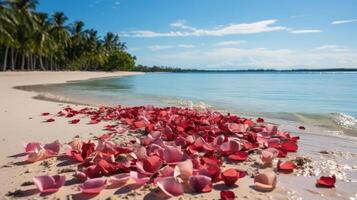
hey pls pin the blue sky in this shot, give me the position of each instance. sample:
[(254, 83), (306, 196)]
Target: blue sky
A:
[(226, 34)]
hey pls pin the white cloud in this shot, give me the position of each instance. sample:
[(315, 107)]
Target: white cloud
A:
[(163, 47), (343, 21), (160, 47), (221, 30), (187, 46), (331, 48), (243, 58), (230, 43), (304, 31), (231, 29)]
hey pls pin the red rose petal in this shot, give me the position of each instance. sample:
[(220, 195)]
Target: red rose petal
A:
[(238, 156), (326, 181), (286, 166), (227, 195), (230, 176)]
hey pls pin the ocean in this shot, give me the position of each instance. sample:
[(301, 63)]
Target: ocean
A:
[(326, 99)]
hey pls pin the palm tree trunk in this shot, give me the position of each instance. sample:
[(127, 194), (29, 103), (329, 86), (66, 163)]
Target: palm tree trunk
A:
[(15, 60), (12, 59), (51, 63), (34, 61), (5, 58), (23, 62), (41, 64), (28, 63)]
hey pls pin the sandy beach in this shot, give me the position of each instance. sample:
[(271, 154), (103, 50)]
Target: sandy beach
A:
[(21, 122)]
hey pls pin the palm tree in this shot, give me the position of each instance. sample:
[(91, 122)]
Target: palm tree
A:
[(111, 42), (60, 34), (24, 11), (7, 29)]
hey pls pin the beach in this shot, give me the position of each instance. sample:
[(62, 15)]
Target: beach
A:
[(21, 122)]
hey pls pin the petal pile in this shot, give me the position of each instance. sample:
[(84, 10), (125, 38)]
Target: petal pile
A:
[(178, 148)]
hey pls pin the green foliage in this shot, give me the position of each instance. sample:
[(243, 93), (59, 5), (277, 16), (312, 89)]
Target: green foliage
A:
[(30, 40), (119, 60)]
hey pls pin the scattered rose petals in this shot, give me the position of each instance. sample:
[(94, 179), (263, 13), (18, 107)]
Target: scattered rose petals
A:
[(302, 128), (326, 181), (45, 113), (49, 184), (179, 147)]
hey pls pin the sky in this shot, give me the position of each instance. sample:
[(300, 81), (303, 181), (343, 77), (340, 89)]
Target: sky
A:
[(225, 34)]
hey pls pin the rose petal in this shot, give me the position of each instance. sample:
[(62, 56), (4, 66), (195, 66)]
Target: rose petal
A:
[(119, 179), (289, 146), (74, 121), (170, 186), (200, 183), (49, 184), (227, 195), (265, 181), (184, 169), (238, 156), (139, 178), (229, 147), (32, 146), (286, 166), (326, 181), (172, 154), (230, 176), (93, 186)]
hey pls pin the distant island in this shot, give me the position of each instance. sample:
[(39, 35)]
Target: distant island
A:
[(143, 68)]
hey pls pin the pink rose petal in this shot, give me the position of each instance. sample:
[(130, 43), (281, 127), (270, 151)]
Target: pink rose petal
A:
[(93, 186), (170, 186), (48, 184)]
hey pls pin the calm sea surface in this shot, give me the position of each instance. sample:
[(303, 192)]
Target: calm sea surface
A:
[(310, 95)]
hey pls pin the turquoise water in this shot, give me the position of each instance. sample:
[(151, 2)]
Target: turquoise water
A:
[(286, 95), (247, 92)]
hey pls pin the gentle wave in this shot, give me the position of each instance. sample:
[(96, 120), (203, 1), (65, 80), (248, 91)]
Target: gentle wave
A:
[(345, 120)]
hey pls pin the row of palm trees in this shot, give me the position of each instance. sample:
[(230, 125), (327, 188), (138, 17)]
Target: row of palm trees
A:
[(31, 40)]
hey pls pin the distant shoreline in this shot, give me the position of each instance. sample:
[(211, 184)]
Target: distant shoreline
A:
[(271, 70)]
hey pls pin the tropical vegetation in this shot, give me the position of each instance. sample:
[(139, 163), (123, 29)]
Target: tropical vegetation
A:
[(32, 40)]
